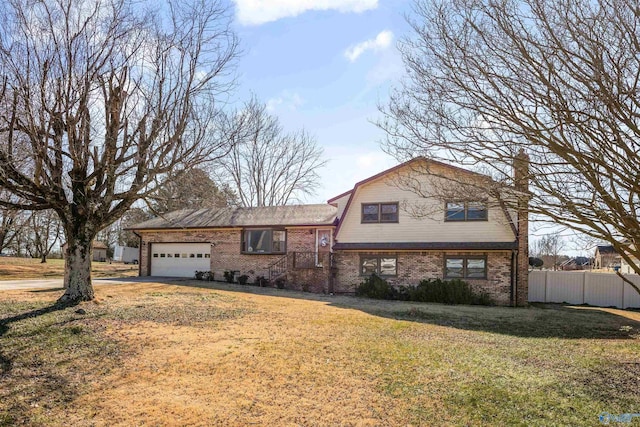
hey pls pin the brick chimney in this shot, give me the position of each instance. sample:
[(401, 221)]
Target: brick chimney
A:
[(521, 183)]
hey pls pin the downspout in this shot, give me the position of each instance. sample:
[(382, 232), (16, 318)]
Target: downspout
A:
[(315, 249), (512, 293)]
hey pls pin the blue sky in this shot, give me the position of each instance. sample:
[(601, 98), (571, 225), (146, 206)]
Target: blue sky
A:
[(324, 65)]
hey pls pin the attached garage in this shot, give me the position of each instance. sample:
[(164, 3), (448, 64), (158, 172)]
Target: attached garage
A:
[(179, 259)]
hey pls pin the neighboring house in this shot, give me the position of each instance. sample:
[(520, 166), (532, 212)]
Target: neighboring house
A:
[(606, 257), (376, 227), (577, 263), (98, 251), (625, 268)]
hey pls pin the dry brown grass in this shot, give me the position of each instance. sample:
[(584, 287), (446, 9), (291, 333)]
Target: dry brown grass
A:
[(12, 268), (154, 354)]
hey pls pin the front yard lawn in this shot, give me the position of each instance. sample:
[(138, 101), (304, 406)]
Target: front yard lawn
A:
[(15, 268), (156, 354)]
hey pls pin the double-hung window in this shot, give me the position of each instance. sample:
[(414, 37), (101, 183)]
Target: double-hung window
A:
[(264, 241), (465, 267), (466, 211), (379, 212), (382, 265)]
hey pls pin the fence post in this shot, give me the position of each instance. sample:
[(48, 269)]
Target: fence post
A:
[(584, 285), (623, 286)]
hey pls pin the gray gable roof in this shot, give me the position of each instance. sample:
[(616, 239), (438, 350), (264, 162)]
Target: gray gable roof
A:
[(295, 215), (606, 249)]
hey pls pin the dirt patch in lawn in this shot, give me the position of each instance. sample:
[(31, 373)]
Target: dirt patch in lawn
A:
[(154, 354)]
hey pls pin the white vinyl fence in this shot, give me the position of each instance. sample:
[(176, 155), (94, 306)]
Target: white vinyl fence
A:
[(583, 287)]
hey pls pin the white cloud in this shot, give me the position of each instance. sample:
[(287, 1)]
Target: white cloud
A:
[(380, 42), (256, 12), (290, 100), (389, 67)]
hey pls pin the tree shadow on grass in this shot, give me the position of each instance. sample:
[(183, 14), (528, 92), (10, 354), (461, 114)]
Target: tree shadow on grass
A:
[(57, 306), (29, 391), (6, 363), (535, 321), (548, 321), (30, 369)]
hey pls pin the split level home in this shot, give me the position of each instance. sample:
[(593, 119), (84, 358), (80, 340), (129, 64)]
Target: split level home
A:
[(418, 220)]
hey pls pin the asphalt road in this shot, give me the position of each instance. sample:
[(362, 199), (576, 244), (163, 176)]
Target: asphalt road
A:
[(6, 285)]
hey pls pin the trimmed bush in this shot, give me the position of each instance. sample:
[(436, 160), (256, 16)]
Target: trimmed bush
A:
[(375, 287), (229, 276), (204, 275), (243, 279), (430, 290), (445, 291)]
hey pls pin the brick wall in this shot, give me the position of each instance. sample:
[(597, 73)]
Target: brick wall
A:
[(412, 267), (313, 279), (226, 252)]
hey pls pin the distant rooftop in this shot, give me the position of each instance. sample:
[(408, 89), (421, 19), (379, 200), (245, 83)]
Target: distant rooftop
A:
[(293, 215), (606, 249)]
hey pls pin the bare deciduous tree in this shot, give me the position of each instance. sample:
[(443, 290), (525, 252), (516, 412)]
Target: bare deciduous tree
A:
[(131, 217), (192, 189), (44, 230), (549, 248), (557, 78), (267, 166), (109, 236), (12, 221), (100, 100)]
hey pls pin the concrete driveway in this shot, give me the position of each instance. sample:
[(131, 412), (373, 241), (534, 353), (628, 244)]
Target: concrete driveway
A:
[(6, 285)]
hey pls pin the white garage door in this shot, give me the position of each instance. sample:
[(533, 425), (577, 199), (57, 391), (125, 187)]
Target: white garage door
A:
[(180, 259)]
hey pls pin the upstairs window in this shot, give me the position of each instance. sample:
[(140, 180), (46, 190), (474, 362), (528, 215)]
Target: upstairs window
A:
[(466, 211), (379, 212), (264, 241)]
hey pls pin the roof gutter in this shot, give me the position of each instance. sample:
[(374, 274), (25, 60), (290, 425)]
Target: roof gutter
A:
[(233, 227)]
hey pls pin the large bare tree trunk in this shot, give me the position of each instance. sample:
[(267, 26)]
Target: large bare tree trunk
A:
[(101, 101), (77, 272)]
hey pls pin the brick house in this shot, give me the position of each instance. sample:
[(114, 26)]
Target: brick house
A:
[(382, 225)]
